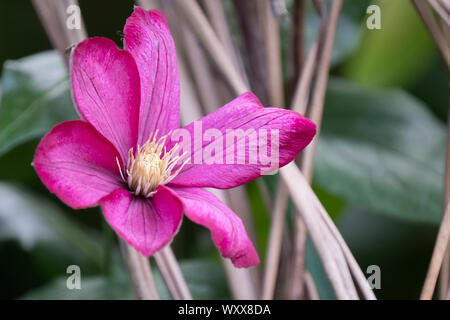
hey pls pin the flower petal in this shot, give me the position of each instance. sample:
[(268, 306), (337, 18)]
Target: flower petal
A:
[(106, 90), (146, 224), (227, 231), (77, 164), (278, 136), (148, 39)]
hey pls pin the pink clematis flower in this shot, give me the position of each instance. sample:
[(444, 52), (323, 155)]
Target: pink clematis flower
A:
[(120, 155)]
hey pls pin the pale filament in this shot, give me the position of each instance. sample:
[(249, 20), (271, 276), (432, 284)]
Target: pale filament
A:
[(151, 166)]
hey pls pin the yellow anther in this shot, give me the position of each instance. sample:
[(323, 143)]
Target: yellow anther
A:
[(151, 166)]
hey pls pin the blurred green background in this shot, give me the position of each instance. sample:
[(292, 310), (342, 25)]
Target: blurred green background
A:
[(378, 170)]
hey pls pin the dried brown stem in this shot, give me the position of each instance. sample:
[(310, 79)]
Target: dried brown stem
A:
[(217, 17), (438, 256), (445, 271), (140, 273), (239, 281), (216, 13), (261, 41), (297, 40), (318, 98), (214, 47), (275, 90), (446, 5), (357, 274), (278, 8), (273, 62), (444, 277), (201, 71), (252, 18), (172, 275), (321, 7), (440, 9), (323, 224), (427, 16), (274, 243), (190, 109), (53, 15), (149, 4), (325, 42), (440, 36), (301, 95), (310, 287), (295, 288), (332, 260)]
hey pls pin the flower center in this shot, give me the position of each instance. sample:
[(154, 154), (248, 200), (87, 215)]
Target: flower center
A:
[(151, 166)]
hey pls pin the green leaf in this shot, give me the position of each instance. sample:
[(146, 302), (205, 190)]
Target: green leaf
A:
[(206, 280), (92, 288), (15, 165), (35, 222), (113, 285), (35, 97), (334, 205), (382, 150), (398, 53)]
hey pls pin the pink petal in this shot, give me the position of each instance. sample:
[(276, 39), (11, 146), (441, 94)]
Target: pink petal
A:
[(245, 112), (146, 224), (227, 231), (106, 90), (77, 164), (148, 39)]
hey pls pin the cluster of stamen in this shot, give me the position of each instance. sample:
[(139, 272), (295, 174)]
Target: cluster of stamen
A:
[(151, 166)]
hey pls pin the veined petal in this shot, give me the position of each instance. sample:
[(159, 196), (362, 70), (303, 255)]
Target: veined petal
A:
[(148, 39), (106, 90), (227, 231), (146, 224), (251, 141), (77, 164)]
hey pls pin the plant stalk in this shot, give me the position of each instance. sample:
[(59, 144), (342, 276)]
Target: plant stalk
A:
[(140, 273), (172, 275)]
